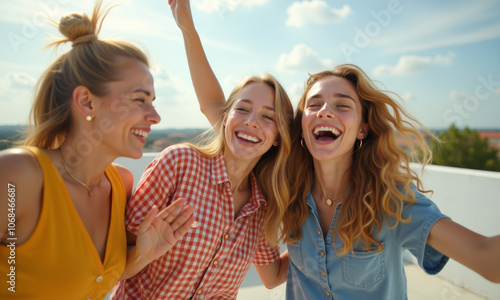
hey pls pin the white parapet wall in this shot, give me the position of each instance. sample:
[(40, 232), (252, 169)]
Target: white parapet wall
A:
[(469, 197), (472, 199)]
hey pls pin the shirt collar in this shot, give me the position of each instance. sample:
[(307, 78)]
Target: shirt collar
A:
[(255, 200), (219, 173), (310, 200), (257, 195), (219, 176)]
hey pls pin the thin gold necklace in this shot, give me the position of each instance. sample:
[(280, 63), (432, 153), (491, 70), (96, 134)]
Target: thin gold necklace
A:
[(328, 200), (89, 188)]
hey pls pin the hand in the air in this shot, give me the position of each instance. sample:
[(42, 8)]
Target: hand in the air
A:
[(181, 11)]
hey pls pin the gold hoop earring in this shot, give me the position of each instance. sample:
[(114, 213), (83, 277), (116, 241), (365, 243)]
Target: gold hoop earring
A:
[(360, 144), (302, 143)]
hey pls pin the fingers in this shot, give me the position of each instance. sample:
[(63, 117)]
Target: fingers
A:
[(169, 213), (184, 219), (178, 217), (146, 223), (172, 3), (184, 228)]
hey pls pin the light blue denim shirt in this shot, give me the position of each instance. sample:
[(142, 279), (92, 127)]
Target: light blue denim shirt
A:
[(316, 272)]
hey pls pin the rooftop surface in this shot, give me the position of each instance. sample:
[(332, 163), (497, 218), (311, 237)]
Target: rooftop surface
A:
[(421, 286), (469, 197)]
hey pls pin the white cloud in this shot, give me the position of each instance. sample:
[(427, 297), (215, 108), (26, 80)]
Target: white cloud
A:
[(464, 23), (173, 87), (229, 83), (211, 6), (411, 64), (302, 58), (315, 11), (408, 97), (20, 80), (295, 92), (457, 95), (16, 96), (29, 13)]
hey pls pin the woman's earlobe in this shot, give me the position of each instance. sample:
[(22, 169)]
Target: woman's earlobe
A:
[(363, 132), (82, 97)]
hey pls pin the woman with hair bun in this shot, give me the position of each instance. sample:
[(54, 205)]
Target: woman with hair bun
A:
[(62, 199)]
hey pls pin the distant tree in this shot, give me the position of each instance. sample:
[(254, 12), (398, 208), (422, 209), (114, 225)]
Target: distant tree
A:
[(9, 135), (464, 149)]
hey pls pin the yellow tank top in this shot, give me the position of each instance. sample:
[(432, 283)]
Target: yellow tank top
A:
[(59, 260)]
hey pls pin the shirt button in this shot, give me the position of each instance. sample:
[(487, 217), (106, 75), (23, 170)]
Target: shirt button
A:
[(98, 279), (331, 231), (319, 231), (322, 253), (215, 262), (198, 292), (327, 293), (323, 273), (226, 236)]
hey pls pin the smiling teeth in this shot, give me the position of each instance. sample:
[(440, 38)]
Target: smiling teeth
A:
[(247, 137), (325, 128), (140, 133)]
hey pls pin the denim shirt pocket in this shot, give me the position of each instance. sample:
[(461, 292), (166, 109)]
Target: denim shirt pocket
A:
[(295, 255), (363, 269)]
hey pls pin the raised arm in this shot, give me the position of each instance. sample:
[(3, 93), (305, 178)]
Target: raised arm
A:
[(479, 253), (206, 86)]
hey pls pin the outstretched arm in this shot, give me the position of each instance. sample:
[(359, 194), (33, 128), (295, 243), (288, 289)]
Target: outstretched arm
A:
[(206, 86), (274, 273), (157, 234), (479, 253)]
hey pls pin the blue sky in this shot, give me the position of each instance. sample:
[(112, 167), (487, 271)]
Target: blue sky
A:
[(441, 57)]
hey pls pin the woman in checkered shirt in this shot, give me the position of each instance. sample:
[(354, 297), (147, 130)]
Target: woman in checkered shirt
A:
[(235, 179)]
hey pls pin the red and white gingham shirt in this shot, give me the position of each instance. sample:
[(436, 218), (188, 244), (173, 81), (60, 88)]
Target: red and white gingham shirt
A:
[(210, 261)]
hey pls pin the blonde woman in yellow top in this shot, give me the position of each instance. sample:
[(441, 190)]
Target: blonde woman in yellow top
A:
[(62, 200)]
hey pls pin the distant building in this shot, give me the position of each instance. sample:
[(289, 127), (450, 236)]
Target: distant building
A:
[(161, 144), (493, 139)]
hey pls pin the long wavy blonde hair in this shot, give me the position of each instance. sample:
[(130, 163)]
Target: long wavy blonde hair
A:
[(91, 62), (270, 170), (380, 175)]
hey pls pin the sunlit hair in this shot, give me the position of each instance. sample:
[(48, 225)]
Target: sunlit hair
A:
[(270, 170), (380, 175), (91, 63)]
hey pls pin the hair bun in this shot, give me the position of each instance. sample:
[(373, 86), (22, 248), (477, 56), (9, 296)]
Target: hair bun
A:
[(78, 28)]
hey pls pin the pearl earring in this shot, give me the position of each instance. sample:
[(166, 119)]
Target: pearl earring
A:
[(88, 118)]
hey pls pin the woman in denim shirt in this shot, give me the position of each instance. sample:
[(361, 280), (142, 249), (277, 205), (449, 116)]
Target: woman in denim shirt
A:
[(356, 204)]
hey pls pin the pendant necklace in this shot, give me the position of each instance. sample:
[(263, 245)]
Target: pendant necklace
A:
[(328, 201), (89, 188)]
